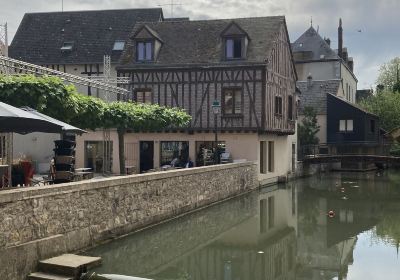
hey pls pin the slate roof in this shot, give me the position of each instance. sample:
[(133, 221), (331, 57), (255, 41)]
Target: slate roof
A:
[(313, 44), (355, 106), (315, 96), (200, 42), (40, 35)]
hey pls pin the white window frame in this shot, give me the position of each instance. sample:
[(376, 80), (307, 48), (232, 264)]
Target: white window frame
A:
[(119, 45), (144, 51), (230, 47), (346, 125)]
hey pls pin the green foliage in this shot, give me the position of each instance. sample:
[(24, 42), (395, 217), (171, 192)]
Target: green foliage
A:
[(49, 95), (308, 128), (386, 105), (389, 75), (143, 117)]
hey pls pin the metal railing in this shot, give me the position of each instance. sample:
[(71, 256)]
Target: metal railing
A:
[(13, 66), (336, 149)]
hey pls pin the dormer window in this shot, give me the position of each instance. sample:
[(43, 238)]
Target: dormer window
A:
[(234, 48), (67, 46), (144, 51), (235, 41)]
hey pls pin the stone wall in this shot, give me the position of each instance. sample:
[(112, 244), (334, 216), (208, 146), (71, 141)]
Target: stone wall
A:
[(41, 222)]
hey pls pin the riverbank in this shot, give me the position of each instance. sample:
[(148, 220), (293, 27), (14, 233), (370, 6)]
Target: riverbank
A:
[(43, 222)]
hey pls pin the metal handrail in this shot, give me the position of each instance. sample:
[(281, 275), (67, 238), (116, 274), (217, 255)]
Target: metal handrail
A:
[(13, 64)]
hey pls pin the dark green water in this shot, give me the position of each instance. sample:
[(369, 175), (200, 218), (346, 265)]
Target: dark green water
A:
[(279, 233)]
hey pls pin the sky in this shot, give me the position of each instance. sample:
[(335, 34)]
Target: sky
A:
[(371, 30)]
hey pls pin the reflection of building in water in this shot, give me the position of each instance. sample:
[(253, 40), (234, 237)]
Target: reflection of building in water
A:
[(326, 244), (261, 247)]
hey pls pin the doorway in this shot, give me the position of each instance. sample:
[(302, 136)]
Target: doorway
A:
[(94, 155), (146, 155)]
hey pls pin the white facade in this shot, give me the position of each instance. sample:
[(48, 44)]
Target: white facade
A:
[(241, 146)]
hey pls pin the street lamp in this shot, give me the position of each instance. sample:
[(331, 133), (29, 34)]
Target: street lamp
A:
[(216, 107)]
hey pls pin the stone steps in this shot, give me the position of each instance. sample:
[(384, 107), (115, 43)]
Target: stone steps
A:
[(65, 267), (47, 276)]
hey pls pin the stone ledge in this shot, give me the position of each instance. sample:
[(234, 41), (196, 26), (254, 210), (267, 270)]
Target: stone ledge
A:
[(38, 192)]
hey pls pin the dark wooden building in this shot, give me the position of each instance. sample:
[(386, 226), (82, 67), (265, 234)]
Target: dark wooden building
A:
[(349, 124)]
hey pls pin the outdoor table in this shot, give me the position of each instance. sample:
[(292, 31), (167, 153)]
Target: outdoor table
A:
[(84, 169)]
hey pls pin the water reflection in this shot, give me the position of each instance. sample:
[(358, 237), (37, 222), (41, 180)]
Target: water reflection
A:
[(284, 233)]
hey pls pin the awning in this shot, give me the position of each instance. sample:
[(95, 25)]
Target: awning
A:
[(65, 127), (13, 119)]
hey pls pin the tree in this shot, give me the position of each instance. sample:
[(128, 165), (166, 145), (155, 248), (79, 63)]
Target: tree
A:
[(141, 117), (50, 96), (308, 128), (389, 75), (386, 105)]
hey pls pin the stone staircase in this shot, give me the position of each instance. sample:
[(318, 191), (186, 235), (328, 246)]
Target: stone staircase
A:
[(64, 267)]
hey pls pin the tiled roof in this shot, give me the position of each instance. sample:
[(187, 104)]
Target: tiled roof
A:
[(311, 44), (315, 95), (93, 33), (200, 42)]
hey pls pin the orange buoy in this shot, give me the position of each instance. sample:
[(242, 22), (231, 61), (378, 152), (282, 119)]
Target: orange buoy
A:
[(331, 214)]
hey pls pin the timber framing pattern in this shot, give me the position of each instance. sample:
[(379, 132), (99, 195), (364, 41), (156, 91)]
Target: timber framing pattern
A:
[(195, 87)]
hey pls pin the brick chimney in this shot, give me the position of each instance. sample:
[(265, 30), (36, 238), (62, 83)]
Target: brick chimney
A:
[(340, 39), (350, 63), (328, 41)]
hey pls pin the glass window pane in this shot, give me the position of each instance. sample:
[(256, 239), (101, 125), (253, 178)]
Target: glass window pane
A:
[(238, 101), (229, 48), (140, 51), (237, 48), (228, 102), (342, 125), (349, 125), (147, 97), (174, 153), (149, 51), (118, 45)]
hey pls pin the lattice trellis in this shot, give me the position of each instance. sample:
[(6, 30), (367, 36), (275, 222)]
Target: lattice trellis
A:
[(3, 40)]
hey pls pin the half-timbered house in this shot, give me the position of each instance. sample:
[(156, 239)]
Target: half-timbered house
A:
[(245, 64)]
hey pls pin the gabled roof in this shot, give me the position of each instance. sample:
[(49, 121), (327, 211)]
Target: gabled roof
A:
[(200, 42), (353, 105), (316, 48), (315, 95), (41, 35), (147, 32)]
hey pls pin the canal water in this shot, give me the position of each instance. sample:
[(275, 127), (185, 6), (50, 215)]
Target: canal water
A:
[(330, 226)]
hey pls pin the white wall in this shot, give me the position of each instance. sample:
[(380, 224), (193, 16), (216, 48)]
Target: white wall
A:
[(349, 83), (35, 146), (240, 145), (325, 70)]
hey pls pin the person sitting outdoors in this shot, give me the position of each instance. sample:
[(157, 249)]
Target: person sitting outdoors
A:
[(189, 163)]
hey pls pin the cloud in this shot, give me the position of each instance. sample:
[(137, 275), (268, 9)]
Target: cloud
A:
[(377, 20)]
